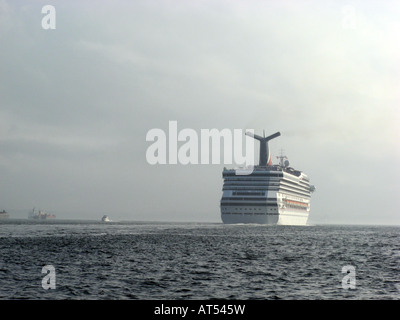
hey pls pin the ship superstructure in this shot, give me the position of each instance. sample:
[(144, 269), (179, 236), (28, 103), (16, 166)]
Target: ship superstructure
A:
[(271, 194)]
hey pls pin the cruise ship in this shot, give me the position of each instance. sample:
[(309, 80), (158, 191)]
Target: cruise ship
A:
[(271, 194)]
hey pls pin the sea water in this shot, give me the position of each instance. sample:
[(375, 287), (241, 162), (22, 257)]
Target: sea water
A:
[(157, 261)]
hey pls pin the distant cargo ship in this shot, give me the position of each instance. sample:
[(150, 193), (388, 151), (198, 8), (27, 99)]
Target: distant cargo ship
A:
[(41, 215), (4, 215), (271, 194)]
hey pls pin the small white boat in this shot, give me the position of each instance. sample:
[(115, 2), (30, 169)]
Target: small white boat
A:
[(105, 218)]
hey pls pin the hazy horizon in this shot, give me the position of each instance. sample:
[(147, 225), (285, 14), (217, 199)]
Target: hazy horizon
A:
[(76, 103)]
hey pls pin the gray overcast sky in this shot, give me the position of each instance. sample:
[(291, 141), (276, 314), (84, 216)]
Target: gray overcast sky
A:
[(77, 102)]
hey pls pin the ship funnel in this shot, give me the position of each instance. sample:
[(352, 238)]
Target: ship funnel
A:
[(265, 156)]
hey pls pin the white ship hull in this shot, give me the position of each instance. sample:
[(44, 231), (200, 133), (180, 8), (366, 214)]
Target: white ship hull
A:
[(281, 219)]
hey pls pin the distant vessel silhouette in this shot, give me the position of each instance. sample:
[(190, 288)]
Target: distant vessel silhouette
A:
[(105, 218), (4, 215), (41, 215)]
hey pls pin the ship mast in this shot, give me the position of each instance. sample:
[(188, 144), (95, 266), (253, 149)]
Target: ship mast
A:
[(265, 155), (281, 158)]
